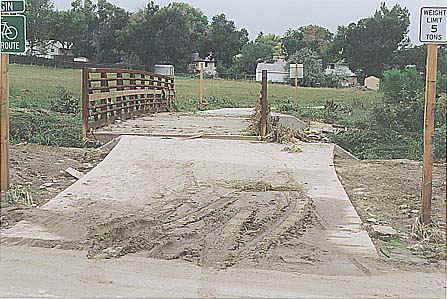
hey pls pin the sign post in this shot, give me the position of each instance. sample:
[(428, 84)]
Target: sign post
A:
[(201, 83), (4, 123), (433, 31), (296, 72), (12, 41)]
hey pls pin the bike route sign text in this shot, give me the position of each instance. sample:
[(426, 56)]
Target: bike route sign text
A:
[(13, 6), (433, 25), (13, 34)]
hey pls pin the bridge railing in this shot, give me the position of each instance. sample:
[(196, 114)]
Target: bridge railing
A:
[(111, 94)]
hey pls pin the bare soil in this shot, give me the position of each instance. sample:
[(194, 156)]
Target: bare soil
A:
[(38, 174), (387, 192)]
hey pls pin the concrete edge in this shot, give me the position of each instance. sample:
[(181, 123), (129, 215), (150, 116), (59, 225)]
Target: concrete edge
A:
[(289, 121), (349, 235), (344, 153), (107, 137), (109, 146)]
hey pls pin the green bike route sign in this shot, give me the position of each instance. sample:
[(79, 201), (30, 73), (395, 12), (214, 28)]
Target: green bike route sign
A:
[(13, 34), (13, 6)]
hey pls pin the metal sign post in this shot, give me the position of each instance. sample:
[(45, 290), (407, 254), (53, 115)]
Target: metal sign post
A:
[(433, 30)]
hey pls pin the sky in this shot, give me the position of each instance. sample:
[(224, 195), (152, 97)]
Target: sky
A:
[(276, 16)]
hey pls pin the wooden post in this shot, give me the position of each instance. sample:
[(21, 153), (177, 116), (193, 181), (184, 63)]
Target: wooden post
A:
[(264, 104), (85, 103), (429, 128), (296, 85), (4, 124), (201, 83)]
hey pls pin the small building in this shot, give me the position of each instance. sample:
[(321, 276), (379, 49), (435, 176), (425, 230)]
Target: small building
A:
[(342, 70), (164, 69), (276, 72), (209, 64), (372, 83), (53, 50)]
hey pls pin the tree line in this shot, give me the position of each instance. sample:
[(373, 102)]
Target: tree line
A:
[(106, 33)]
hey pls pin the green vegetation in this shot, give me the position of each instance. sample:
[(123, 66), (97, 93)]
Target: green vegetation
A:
[(38, 95), (387, 124), (392, 126)]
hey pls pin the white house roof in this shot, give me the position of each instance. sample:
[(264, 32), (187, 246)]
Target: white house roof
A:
[(277, 67)]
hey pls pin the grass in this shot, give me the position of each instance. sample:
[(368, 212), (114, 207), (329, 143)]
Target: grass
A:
[(246, 93), (33, 88)]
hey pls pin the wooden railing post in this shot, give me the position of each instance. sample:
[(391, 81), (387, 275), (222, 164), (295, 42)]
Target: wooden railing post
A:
[(264, 104), (85, 103)]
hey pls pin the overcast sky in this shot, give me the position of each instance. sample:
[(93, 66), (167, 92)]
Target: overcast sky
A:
[(276, 16)]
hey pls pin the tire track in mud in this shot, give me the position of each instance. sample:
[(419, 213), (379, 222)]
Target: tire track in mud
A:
[(211, 223), (245, 244)]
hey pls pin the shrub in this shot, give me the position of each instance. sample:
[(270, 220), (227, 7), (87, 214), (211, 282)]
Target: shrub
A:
[(46, 128), (401, 86), (64, 102), (440, 143)]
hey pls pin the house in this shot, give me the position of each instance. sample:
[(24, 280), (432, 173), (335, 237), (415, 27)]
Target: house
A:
[(372, 83), (53, 50), (209, 64), (342, 70), (276, 72)]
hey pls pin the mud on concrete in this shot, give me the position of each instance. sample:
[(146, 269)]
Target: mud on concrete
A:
[(244, 225)]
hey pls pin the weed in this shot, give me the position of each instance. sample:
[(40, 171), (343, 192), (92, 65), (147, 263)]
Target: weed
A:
[(19, 195), (45, 127), (65, 102)]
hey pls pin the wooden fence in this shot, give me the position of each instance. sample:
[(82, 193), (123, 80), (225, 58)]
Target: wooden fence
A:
[(110, 94)]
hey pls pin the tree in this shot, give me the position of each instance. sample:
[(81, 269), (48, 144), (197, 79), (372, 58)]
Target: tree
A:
[(314, 37), (272, 40), (39, 15), (166, 35), (417, 55), (84, 24), (181, 30), (140, 35), (314, 75), (369, 45), (292, 42), (111, 20), (63, 29), (261, 49), (224, 41)]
